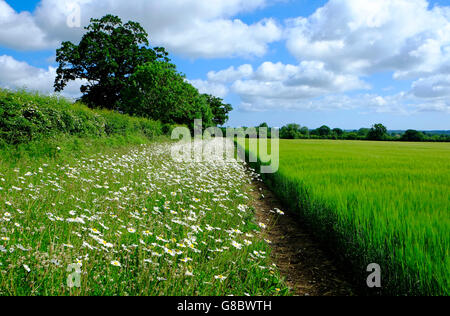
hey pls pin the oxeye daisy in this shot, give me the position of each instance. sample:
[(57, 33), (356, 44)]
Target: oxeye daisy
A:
[(95, 231), (236, 245), (116, 263), (185, 260), (220, 277), (107, 244)]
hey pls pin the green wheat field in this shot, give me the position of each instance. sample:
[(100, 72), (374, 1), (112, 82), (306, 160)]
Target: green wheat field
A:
[(375, 202)]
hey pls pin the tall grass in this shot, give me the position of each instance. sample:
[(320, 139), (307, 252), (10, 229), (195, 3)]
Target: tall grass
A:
[(385, 203), (134, 222)]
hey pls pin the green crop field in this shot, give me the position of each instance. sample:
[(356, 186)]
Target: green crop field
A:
[(375, 202)]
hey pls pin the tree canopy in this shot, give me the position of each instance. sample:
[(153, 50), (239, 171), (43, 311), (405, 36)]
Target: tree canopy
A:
[(220, 110), (107, 55), (377, 132), (290, 131), (158, 91), (413, 136)]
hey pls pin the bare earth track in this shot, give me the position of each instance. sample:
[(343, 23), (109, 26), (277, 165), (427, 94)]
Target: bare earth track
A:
[(307, 269)]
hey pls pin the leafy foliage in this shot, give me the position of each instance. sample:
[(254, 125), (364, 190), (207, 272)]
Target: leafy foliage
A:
[(378, 132), (290, 131), (157, 91), (413, 136), (220, 110), (25, 117), (106, 57)]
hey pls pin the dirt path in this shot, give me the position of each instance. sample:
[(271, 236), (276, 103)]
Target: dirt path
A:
[(307, 269)]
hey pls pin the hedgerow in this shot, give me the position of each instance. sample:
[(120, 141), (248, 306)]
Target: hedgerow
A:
[(26, 117)]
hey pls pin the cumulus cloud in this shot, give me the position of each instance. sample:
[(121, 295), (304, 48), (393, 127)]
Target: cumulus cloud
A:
[(432, 93), (215, 89), (16, 74), (19, 30), (283, 85), (311, 86), (189, 27), (330, 102), (231, 74), (366, 36), (432, 87), (346, 40)]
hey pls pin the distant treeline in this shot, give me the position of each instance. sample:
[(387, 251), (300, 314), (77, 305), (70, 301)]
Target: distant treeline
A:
[(378, 132)]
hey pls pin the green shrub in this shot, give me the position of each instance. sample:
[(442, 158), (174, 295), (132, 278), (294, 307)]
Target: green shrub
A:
[(25, 117)]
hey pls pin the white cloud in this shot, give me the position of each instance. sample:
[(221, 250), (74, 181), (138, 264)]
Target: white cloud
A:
[(325, 103), (345, 40), (189, 27), (291, 86), (311, 86), (367, 36), (432, 87), (19, 30), (231, 74), (215, 89), (277, 84), (15, 74)]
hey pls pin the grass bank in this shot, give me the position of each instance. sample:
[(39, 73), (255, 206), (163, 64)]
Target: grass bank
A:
[(27, 117)]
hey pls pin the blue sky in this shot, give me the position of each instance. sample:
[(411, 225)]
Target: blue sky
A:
[(344, 63)]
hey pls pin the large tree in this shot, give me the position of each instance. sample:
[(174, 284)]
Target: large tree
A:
[(324, 131), (378, 132), (107, 55)]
